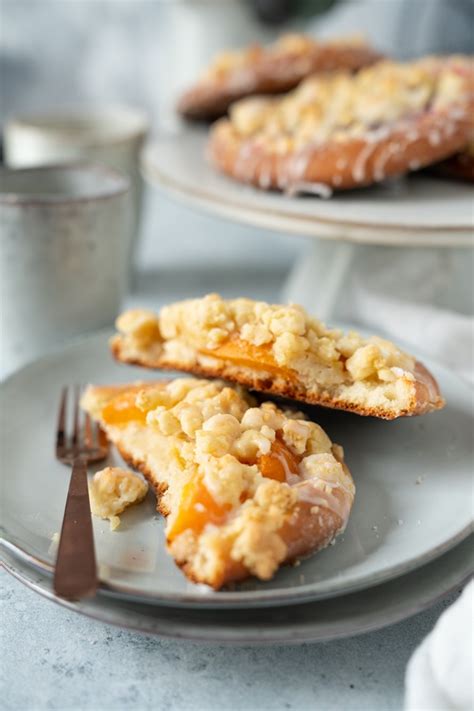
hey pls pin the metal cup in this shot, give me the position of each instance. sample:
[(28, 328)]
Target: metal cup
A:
[(63, 255), (110, 135)]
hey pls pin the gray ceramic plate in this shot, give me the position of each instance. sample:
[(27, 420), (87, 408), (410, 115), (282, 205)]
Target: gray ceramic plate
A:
[(318, 621), (413, 503), (414, 211)]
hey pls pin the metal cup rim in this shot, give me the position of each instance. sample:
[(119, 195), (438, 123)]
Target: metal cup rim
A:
[(54, 124), (12, 198)]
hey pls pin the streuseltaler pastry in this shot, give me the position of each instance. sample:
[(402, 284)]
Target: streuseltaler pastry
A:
[(245, 487), (281, 350), (270, 70), (345, 131)]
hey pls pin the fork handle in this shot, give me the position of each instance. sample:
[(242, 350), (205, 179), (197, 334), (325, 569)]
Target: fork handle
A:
[(75, 574)]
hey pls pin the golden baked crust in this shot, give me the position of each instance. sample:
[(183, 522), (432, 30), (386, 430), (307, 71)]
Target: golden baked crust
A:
[(279, 350), (245, 487), (272, 70), (345, 131)]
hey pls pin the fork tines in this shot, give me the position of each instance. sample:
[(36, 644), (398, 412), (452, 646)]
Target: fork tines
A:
[(85, 439)]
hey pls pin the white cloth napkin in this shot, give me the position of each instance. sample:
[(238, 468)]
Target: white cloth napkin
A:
[(405, 295), (423, 298), (440, 674)]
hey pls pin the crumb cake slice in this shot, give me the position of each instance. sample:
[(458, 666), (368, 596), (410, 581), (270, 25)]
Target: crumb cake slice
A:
[(343, 131), (279, 350), (245, 487)]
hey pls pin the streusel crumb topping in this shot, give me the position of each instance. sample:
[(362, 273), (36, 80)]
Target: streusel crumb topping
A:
[(342, 106), (225, 434), (244, 485), (287, 335), (289, 44)]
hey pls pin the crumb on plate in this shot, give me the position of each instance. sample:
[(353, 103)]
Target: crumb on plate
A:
[(112, 490)]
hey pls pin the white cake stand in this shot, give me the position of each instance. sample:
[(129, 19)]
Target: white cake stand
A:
[(434, 218)]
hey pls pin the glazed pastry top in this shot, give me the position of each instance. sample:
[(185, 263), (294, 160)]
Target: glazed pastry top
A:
[(343, 106)]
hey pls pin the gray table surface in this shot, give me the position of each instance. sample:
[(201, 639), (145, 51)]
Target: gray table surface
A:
[(57, 659), (51, 658)]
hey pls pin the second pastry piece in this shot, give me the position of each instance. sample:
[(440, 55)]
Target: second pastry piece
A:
[(281, 350), (269, 70)]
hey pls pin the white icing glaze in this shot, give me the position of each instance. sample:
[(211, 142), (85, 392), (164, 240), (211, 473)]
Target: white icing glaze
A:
[(457, 112), (299, 164), (372, 139), (311, 492), (264, 178), (324, 191), (360, 163), (423, 377), (245, 152), (434, 138), (250, 168), (291, 478), (443, 124), (413, 135), (282, 181), (381, 161)]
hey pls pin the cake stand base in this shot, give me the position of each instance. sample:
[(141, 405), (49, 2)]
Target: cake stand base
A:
[(340, 280)]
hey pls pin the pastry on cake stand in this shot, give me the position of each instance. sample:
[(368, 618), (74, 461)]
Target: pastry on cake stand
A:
[(350, 235)]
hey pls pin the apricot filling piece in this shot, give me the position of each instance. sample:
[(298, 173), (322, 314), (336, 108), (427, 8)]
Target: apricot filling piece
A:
[(122, 409), (197, 507), (229, 473), (279, 464), (248, 355)]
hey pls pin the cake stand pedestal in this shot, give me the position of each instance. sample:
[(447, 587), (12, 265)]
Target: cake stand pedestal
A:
[(355, 237)]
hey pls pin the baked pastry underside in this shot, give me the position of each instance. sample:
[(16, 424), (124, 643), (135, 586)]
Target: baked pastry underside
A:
[(344, 131), (279, 350), (245, 487)]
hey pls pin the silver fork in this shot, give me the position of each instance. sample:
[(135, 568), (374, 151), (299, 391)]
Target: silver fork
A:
[(75, 573)]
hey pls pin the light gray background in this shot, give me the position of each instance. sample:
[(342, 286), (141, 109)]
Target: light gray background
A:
[(66, 52)]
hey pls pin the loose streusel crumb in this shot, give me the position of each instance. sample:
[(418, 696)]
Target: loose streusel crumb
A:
[(112, 490)]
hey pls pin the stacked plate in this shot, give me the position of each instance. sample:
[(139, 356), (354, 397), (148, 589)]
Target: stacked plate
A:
[(406, 545)]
